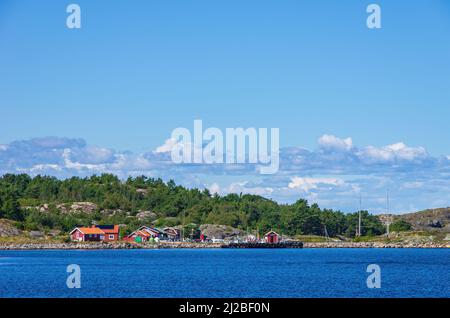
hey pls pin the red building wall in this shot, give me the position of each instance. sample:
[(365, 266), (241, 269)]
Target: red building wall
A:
[(107, 239), (272, 238), (76, 236)]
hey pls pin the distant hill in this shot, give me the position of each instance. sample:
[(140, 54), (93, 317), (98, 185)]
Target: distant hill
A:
[(429, 220)]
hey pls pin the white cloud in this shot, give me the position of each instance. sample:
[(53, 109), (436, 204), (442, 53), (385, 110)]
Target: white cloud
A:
[(240, 187), (397, 151), (80, 166), (214, 188), (41, 168), (307, 184), (167, 146), (92, 154), (330, 142)]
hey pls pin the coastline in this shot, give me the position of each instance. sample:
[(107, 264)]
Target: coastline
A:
[(194, 245)]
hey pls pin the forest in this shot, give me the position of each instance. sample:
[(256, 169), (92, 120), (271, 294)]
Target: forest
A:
[(119, 201)]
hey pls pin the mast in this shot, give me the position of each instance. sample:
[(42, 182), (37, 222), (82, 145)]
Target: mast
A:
[(182, 226), (359, 215), (327, 237), (388, 222)]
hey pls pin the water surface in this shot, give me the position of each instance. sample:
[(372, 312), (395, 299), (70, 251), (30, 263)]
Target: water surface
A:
[(226, 273)]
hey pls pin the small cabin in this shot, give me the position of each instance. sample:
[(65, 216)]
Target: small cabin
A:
[(272, 237), (172, 234), (143, 234)]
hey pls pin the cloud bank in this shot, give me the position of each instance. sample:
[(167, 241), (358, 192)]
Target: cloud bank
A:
[(334, 175)]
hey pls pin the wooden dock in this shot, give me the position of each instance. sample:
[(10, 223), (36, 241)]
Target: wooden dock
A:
[(264, 245)]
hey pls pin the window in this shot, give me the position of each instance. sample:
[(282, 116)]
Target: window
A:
[(111, 237)]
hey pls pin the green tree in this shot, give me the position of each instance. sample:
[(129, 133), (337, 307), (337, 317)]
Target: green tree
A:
[(11, 208), (400, 226)]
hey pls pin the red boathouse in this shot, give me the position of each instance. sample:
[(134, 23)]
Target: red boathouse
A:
[(272, 237)]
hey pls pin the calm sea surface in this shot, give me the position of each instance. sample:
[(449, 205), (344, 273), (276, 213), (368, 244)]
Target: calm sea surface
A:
[(226, 273)]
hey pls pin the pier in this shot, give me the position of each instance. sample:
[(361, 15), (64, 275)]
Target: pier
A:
[(292, 244)]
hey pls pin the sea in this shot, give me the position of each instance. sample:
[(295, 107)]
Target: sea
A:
[(226, 273)]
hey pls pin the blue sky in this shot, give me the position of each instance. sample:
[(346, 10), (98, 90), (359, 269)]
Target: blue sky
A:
[(134, 72)]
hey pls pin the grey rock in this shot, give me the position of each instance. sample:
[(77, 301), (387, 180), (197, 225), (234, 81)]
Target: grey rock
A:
[(435, 223), (36, 234), (220, 231), (8, 229), (146, 215)]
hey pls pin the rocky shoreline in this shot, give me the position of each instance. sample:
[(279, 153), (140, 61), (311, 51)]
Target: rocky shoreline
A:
[(375, 245), (192, 245), (110, 246)]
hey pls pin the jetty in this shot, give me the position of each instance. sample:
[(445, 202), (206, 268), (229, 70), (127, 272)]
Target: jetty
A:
[(289, 244)]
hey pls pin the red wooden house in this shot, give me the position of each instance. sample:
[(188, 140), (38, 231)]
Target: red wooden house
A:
[(95, 233), (87, 234), (272, 237), (111, 232)]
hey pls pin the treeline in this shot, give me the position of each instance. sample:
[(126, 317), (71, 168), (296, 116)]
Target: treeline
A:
[(118, 201)]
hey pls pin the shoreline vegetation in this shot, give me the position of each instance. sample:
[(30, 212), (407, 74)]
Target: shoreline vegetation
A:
[(39, 213)]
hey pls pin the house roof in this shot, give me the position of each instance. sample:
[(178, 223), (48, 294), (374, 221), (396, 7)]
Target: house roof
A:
[(88, 230), (150, 230), (143, 233), (271, 233), (109, 229), (140, 233), (171, 230)]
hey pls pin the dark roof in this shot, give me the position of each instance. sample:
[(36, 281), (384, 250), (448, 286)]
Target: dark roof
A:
[(105, 227)]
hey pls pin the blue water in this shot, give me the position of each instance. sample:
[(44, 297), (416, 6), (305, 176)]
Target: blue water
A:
[(227, 273)]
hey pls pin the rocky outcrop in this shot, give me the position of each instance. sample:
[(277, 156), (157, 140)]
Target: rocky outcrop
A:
[(146, 215), (435, 223), (142, 191), (220, 231), (54, 233), (44, 208), (429, 220), (114, 212), (36, 234), (85, 207), (8, 229)]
